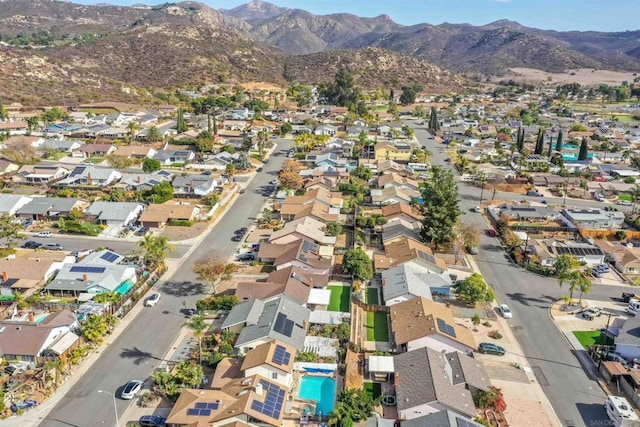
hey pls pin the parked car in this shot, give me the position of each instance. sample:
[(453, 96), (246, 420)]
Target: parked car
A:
[(44, 234), (152, 300), (604, 267), (247, 256), (131, 389), (152, 421), (534, 193), (490, 348), (626, 296), (597, 272), (31, 244), (13, 369), (491, 232), (142, 231), (624, 203), (27, 222), (240, 231), (475, 209), (259, 170), (591, 313), (54, 247), (237, 238), (505, 311)]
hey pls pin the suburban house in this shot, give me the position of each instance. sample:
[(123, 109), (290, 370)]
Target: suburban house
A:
[(134, 151), (305, 228), (43, 208), (305, 255), (172, 157), (258, 322), (399, 152), (330, 159), (158, 215), (26, 275), (143, 181), (326, 129), (405, 282), (97, 150), (402, 211), (196, 185), (97, 273), (253, 401), (61, 145), (7, 167), (428, 381), (40, 174), (10, 204), (273, 360), (90, 176), (628, 340), (547, 251), (625, 258), (445, 418), (400, 229), (593, 218), (406, 250), (391, 194), (118, 214), (321, 203), (306, 288), (390, 166), (28, 343), (420, 322), (395, 180)]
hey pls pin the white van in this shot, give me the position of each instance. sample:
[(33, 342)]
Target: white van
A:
[(620, 412), (633, 307)]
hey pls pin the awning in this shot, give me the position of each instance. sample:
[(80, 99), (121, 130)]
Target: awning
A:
[(381, 364), (63, 343), (319, 296)]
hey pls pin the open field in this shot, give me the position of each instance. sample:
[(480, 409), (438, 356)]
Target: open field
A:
[(583, 76)]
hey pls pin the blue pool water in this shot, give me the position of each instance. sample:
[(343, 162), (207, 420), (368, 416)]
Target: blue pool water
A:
[(320, 389), (125, 287), (574, 156), (41, 317)]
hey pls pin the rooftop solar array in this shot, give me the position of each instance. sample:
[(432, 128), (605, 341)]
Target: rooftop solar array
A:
[(272, 405), (203, 408), (200, 412), (283, 325), (576, 251), (85, 269), (109, 256), (446, 328), (281, 356), (427, 257), (465, 423)]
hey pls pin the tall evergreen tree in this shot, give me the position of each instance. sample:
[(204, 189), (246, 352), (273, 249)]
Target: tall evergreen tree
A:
[(539, 142), (550, 147), (584, 150), (520, 140), (559, 142), (181, 124), (3, 112), (440, 206), (434, 126)]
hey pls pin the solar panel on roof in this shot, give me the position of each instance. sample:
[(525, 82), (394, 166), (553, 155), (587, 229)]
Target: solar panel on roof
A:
[(272, 405), (213, 405), (446, 328), (283, 325), (109, 256), (464, 423), (85, 269)]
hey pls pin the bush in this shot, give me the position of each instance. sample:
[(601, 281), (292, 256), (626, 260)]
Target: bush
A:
[(181, 222), (215, 358), (221, 302), (75, 227), (620, 235), (495, 335)]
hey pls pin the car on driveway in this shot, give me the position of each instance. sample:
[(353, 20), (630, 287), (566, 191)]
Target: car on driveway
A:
[(490, 348), (131, 389), (247, 256), (152, 300), (54, 247), (152, 421), (43, 234), (32, 244), (505, 311)]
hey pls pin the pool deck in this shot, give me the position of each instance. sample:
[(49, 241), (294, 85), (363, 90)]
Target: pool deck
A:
[(295, 407)]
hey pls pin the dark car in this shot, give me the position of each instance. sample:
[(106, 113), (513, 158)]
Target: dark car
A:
[(53, 247), (240, 231), (248, 256), (30, 244), (237, 238), (490, 348), (152, 421)]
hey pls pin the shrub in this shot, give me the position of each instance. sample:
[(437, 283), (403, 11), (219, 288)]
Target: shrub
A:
[(495, 335), (221, 302), (181, 222)]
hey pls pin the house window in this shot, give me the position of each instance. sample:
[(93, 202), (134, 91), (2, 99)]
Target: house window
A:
[(274, 375)]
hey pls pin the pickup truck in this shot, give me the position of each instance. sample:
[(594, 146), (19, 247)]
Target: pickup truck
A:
[(591, 313)]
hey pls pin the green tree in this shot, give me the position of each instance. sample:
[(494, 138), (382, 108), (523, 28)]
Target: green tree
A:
[(153, 134), (133, 128), (409, 94), (262, 141), (155, 250), (584, 286), (434, 124), (93, 328), (181, 124), (354, 405), (198, 326), (363, 173), (210, 268), (559, 141), (10, 231), (474, 289), (230, 169), (286, 128), (3, 112), (565, 263), (188, 374), (334, 229), (342, 91), (539, 142), (439, 206), (159, 193), (475, 320), (151, 165), (584, 150), (110, 297), (357, 263)]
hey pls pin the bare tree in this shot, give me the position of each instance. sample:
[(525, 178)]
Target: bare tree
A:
[(212, 269)]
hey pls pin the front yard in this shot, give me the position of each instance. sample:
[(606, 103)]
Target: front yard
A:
[(339, 298), (588, 338), (377, 327)]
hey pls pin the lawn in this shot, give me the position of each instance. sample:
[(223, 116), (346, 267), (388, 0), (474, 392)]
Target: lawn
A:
[(626, 197), (588, 338), (373, 389), (94, 160), (377, 328), (372, 296), (339, 298)]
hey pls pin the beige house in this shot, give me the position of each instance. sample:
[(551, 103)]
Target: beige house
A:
[(406, 250), (625, 259), (158, 215)]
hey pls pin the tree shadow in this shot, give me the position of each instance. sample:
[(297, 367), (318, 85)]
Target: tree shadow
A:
[(183, 289), (139, 356), (528, 300)]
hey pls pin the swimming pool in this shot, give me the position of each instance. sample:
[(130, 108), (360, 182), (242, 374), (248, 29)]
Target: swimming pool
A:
[(321, 389), (41, 317)]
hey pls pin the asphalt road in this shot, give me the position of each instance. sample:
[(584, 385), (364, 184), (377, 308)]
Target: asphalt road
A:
[(576, 398), (146, 340)]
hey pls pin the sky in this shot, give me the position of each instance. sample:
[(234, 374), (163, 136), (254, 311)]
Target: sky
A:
[(563, 15)]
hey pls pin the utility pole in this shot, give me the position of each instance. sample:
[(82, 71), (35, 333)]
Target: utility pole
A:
[(608, 314)]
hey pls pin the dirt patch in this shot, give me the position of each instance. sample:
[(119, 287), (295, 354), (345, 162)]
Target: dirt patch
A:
[(583, 76), (353, 375), (176, 234), (526, 413)]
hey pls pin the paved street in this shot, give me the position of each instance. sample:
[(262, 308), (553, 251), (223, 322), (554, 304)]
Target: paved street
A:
[(577, 399), (143, 344)]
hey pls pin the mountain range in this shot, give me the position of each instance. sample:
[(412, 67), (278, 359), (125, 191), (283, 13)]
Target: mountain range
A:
[(127, 53)]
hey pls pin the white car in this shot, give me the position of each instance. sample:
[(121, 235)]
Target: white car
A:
[(505, 311), (476, 209), (152, 300), (44, 234), (131, 389)]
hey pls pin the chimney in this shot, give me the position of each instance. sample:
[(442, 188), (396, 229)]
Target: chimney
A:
[(396, 378), (138, 179), (5, 276), (259, 389), (85, 278), (384, 282), (89, 179), (304, 324)]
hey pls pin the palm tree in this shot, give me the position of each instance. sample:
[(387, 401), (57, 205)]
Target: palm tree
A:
[(133, 128), (198, 326), (262, 140), (635, 194), (584, 284), (156, 250), (153, 134), (94, 327)]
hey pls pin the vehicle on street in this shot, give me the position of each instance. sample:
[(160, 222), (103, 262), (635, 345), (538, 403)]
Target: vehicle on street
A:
[(131, 389), (237, 238), (31, 244), (475, 209), (152, 300), (273, 182), (54, 247), (604, 267), (241, 230), (259, 170), (634, 306), (491, 232), (534, 193), (152, 421), (242, 191), (620, 411), (206, 173), (627, 296), (247, 256), (43, 234), (505, 311), (448, 159), (490, 348), (624, 203), (591, 313)]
